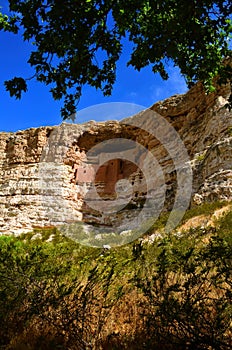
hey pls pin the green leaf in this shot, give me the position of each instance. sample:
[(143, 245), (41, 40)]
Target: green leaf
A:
[(16, 86)]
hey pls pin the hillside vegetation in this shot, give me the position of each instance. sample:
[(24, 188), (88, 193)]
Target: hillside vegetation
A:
[(171, 292)]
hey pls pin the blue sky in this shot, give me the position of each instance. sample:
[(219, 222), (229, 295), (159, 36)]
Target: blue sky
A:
[(37, 108)]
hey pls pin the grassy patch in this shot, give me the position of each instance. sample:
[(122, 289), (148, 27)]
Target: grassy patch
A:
[(207, 208)]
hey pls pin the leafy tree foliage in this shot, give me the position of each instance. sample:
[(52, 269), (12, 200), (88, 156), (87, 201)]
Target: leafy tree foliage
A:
[(79, 42)]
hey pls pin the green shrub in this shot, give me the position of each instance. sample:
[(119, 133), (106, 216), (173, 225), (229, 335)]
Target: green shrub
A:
[(173, 294)]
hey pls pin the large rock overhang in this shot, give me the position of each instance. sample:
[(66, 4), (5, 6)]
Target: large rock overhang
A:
[(43, 182)]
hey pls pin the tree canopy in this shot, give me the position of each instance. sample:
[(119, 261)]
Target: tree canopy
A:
[(78, 42)]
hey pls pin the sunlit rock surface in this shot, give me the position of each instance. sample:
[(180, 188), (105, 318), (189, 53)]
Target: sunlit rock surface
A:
[(46, 173)]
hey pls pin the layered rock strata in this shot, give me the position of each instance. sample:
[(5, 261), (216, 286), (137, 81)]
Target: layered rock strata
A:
[(55, 175)]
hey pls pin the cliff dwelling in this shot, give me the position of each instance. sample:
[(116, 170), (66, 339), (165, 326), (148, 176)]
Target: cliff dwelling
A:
[(105, 171), (107, 174)]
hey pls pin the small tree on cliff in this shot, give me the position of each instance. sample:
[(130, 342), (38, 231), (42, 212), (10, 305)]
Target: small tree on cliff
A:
[(78, 42)]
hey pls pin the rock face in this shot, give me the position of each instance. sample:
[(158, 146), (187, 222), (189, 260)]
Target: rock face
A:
[(55, 175)]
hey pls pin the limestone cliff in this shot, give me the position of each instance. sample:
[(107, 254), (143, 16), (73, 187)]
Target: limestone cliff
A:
[(45, 174)]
